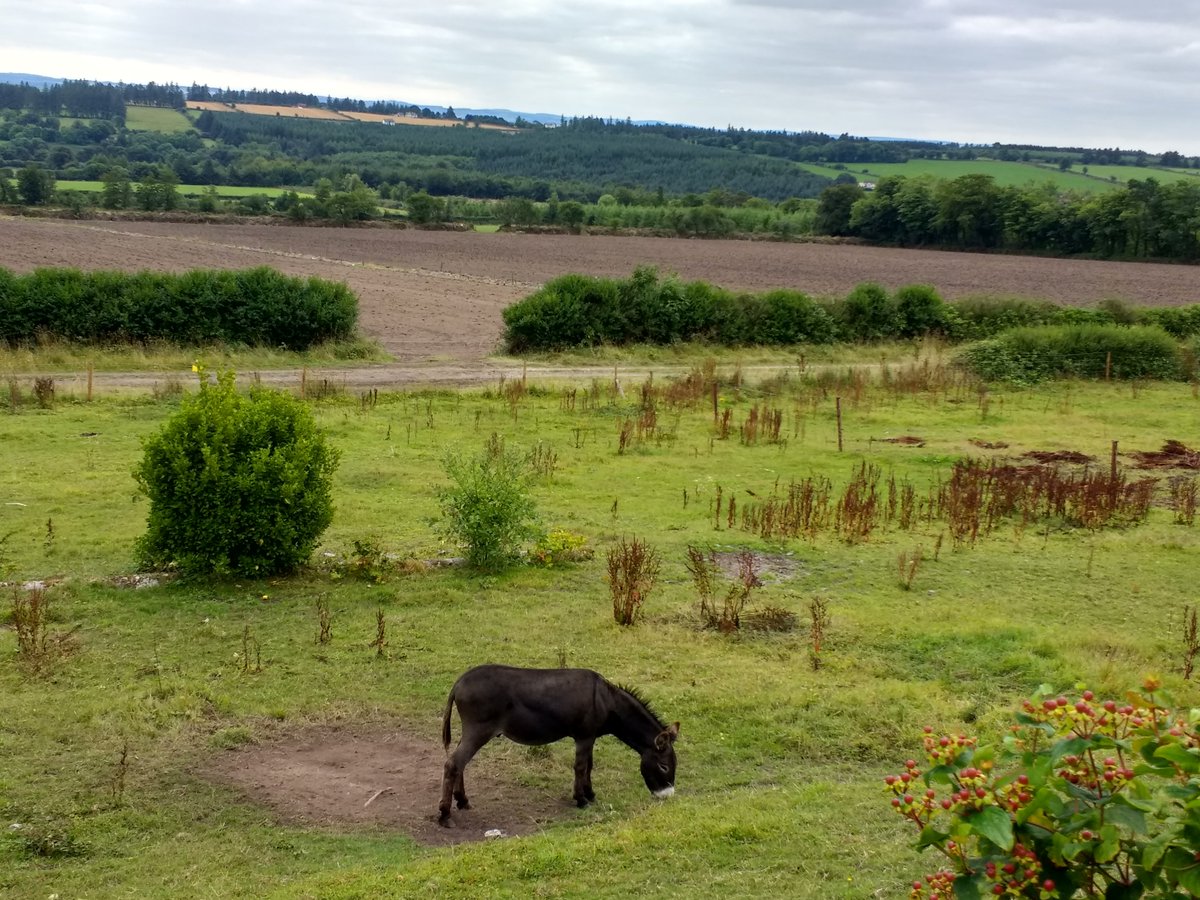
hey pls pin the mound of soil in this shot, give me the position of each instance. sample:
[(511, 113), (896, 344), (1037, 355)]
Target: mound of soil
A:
[(372, 777), (1173, 455), (1055, 456), (907, 440)]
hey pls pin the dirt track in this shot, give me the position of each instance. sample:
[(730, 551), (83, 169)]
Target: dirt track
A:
[(434, 299)]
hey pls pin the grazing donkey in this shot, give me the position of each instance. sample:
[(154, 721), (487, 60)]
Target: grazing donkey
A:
[(540, 706)]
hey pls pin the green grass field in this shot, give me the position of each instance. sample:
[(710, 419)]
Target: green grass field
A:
[(779, 786), (1097, 178), (153, 118), (187, 190)]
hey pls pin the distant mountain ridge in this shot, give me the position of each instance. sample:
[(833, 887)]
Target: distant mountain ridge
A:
[(38, 81)]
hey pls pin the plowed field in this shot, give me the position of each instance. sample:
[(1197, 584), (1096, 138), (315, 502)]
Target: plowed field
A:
[(431, 296)]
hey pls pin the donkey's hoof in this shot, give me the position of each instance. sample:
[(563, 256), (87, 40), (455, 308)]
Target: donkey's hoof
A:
[(581, 802), (464, 803), (444, 819)]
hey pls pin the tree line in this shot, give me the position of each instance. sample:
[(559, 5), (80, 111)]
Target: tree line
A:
[(1144, 219)]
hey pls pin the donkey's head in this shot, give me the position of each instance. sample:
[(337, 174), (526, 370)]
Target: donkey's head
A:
[(658, 763)]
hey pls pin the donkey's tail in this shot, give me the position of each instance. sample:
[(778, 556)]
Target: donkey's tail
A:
[(446, 719)]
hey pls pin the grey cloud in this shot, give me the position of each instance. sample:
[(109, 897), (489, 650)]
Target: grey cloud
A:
[(1095, 73)]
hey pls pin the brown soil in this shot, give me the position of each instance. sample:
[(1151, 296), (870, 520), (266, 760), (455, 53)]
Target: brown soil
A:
[(1053, 456), (327, 776), (1173, 455), (434, 298), (907, 440)]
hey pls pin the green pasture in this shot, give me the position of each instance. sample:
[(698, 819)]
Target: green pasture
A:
[(1006, 174), (1123, 174), (154, 118), (1010, 174), (186, 190), (780, 764)]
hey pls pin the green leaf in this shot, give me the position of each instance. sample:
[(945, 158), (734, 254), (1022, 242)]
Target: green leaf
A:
[(1189, 879), (1110, 844), (931, 836), (1152, 851), (1180, 756), (940, 775), (966, 888), (994, 824), (1068, 747), (1120, 812)]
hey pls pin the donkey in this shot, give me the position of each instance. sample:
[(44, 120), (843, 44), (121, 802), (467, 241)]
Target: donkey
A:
[(540, 706)]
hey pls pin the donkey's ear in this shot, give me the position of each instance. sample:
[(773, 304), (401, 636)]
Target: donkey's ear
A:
[(666, 738)]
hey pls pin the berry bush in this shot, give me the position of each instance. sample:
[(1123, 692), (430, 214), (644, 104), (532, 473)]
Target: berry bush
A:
[(1083, 798)]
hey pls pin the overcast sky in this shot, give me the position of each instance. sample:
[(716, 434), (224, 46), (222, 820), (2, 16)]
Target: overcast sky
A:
[(1098, 73)]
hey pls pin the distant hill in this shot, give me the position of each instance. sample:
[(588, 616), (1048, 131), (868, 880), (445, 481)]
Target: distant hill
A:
[(38, 81)]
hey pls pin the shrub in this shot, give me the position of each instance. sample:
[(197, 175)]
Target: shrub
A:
[(1082, 799), (559, 547), (238, 483), (1179, 321), (985, 317), (632, 573), (569, 311), (920, 311), (1027, 355), (487, 507), (868, 314), (790, 317)]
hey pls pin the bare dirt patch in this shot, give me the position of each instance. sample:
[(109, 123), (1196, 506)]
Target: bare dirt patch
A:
[(360, 776), (775, 565)]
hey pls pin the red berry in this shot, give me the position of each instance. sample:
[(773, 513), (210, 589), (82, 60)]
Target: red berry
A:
[(1022, 779), (1062, 701), (1088, 695), (1047, 885), (1110, 705)]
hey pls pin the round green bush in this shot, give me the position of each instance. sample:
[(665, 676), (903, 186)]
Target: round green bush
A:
[(238, 483)]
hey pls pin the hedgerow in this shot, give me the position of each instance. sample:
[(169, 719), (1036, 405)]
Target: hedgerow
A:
[(581, 311), (1030, 355), (254, 307)]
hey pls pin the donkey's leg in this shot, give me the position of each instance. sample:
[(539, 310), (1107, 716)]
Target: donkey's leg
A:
[(583, 771), (452, 773), (587, 782)]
